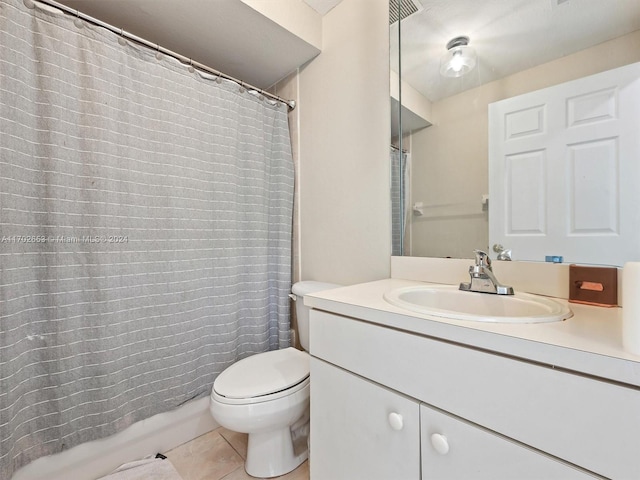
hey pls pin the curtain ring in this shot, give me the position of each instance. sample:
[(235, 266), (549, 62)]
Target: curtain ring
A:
[(121, 40), (191, 68), (78, 21), (242, 89), (158, 52)]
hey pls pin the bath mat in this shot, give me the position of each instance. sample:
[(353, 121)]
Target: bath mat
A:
[(147, 469)]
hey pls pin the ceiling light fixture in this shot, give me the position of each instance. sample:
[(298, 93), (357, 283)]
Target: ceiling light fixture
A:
[(460, 58)]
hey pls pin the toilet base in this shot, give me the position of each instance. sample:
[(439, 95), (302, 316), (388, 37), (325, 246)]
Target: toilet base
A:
[(271, 454)]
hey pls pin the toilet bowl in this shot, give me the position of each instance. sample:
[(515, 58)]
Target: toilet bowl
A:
[(267, 396)]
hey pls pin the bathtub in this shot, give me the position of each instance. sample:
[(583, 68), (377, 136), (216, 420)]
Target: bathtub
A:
[(95, 459)]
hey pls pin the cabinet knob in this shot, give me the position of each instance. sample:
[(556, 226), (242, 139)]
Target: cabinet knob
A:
[(440, 443), (395, 420)]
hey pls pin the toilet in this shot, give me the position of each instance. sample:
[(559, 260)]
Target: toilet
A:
[(267, 396)]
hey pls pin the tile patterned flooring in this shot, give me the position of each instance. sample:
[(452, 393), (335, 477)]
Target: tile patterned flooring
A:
[(219, 455)]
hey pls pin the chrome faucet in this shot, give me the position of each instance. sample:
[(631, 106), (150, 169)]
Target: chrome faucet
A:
[(482, 278)]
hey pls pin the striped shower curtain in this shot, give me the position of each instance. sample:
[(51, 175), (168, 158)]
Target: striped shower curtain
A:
[(400, 199), (145, 232)]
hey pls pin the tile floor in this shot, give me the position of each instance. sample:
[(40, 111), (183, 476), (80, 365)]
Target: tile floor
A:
[(219, 455)]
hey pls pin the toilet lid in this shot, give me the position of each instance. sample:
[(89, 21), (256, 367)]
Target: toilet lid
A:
[(263, 374)]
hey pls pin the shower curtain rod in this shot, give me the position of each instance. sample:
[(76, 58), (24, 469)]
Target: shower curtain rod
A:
[(185, 60), (397, 149)]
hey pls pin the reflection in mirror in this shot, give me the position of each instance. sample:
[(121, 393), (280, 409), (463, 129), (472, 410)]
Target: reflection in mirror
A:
[(399, 174), (517, 47)]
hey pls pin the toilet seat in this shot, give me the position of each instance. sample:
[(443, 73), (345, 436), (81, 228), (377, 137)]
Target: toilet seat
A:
[(263, 377)]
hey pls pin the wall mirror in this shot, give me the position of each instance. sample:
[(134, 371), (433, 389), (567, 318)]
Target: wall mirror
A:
[(451, 63)]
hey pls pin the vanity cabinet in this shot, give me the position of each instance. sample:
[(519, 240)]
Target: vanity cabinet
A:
[(493, 416), (361, 430)]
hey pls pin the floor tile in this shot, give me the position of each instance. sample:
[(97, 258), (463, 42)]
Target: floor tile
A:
[(208, 457), (219, 455), (239, 474), (300, 473), (237, 440)]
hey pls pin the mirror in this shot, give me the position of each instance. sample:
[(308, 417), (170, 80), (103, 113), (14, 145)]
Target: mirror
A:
[(520, 46)]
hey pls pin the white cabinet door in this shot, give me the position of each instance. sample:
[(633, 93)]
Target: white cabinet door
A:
[(360, 430), (564, 170), (453, 449)]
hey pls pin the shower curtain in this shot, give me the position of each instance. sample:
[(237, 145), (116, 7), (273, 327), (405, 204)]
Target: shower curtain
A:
[(145, 231)]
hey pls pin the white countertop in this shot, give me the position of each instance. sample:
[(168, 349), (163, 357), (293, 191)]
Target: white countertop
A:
[(589, 343)]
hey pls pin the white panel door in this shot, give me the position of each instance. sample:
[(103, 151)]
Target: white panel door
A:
[(360, 430), (564, 170)]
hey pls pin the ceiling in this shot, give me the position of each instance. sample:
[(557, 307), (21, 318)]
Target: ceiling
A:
[(508, 35), (226, 35), (322, 6)]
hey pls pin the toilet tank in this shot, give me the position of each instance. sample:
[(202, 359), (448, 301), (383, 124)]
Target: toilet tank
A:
[(299, 290)]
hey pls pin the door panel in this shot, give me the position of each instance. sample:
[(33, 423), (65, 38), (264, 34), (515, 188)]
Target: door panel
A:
[(564, 170)]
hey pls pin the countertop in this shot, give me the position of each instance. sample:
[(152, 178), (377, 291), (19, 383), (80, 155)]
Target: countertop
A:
[(589, 343)]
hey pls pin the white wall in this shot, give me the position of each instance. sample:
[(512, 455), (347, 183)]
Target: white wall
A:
[(412, 99), (294, 15), (345, 231)]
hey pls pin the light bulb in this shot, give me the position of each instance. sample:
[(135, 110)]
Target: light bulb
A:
[(457, 62)]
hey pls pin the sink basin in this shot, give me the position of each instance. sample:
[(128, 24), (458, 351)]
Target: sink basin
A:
[(448, 301)]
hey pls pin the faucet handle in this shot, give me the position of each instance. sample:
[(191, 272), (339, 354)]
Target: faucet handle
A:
[(482, 259)]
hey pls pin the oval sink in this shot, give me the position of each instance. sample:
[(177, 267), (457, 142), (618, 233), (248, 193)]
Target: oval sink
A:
[(448, 301)]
